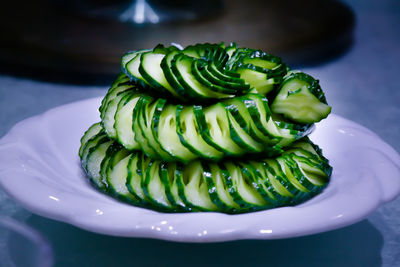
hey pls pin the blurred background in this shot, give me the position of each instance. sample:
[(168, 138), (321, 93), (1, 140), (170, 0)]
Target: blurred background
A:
[(84, 39), (54, 52)]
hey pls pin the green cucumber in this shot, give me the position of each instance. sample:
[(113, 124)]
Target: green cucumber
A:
[(108, 120), (188, 131), (134, 178), (154, 188), (199, 74), (94, 160), (132, 70), (124, 121), (148, 115), (91, 142), (214, 128), (137, 120), (181, 66), (151, 71), (301, 99), (166, 133), (91, 132), (193, 188)]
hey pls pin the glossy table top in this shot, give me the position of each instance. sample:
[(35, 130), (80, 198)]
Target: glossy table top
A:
[(361, 85)]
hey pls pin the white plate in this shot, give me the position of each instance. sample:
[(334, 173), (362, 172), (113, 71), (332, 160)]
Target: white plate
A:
[(39, 168)]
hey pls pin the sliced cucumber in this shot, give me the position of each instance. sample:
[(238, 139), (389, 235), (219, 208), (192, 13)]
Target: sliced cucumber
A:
[(112, 92), (108, 120), (124, 121), (200, 74), (181, 66), (165, 131), (242, 190), (177, 124), (148, 115), (260, 82), (229, 186), (151, 71), (132, 70), (301, 99), (218, 189), (193, 188), (91, 132), (154, 188), (90, 144), (116, 176), (94, 159), (134, 178), (189, 134), (214, 128), (137, 119)]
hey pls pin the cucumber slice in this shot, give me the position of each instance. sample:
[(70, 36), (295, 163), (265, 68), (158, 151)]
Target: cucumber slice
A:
[(165, 132), (241, 138), (151, 71), (215, 76), (177, 189), (124, 121), (90, 144), (301, 99), (168, 177), (242, 191), (188, 131), (134, 178), (193, 188), (112, 93), (214, 128), (218, 189), (90, 133), (268, 183), (94, 160), (108, 119), (260, 82), (122, 80), (166, 66), (275, 169), (252, 176), (198, 68), (154, 188), (116, 176), (128, 56), (148, 115), (132, 70), (137, 119), (181, 66)]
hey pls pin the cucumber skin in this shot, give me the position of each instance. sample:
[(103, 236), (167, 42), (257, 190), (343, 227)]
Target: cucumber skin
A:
[(246, 130), (253, 172)]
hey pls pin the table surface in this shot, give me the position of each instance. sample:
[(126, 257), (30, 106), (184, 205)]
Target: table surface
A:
[(361, 85)]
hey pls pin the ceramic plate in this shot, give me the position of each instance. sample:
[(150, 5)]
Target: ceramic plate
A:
[(40, 168)]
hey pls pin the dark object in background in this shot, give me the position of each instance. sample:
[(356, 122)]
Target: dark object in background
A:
[(144, 11), (43, 40)]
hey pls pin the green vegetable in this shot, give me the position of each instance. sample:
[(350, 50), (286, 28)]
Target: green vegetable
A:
[(195, 130), (231, 186)]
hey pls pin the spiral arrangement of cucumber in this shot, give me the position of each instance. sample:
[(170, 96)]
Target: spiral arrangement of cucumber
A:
[(207, 128)]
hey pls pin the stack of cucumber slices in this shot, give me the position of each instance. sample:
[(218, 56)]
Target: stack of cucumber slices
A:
[(211, 127)]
